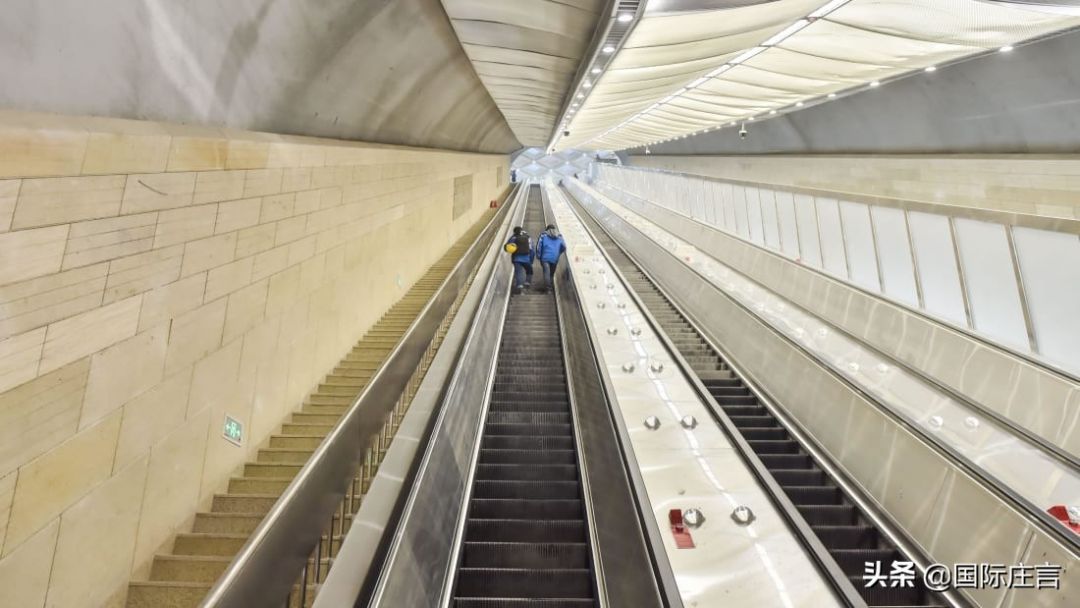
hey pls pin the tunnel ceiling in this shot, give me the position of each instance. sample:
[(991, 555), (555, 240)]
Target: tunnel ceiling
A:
[(526, 52), (690, 66), (389, 71)]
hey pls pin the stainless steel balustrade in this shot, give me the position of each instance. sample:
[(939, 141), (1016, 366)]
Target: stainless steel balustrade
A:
[(270, 563)]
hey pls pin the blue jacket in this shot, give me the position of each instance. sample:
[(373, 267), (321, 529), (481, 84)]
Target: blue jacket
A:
[(550, 248), (523, 258)]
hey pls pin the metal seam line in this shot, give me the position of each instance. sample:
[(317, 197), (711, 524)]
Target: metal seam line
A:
[(1028, 324), (914, 262)]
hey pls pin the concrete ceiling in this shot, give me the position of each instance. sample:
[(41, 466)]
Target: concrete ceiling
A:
[(389, 71), (526, 52)]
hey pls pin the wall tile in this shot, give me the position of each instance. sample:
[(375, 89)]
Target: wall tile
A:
[(185, 224), (194, 335), (247, 154), (226, 279), (214, 381), (135, 274), (291, 229), (26, 254), (294, 180), (38, 302), (59, 200), (113, 153), (29, 152), (9, 192), (168, 302), (123, 371), (155, 192), (245, 310), (262, 182), (172, 486), (253, 240), (7, 494), (19, 357), (235, 215), (218, 186), (53, 482), (103, 240), (40, 414), (152, 416), (197, 154), (107, 517), (89, 332), (270, 262), (277, 207), (24, 574), (208, 253)]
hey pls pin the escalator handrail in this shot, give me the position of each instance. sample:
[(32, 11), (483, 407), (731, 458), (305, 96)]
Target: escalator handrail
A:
[(267, 566)]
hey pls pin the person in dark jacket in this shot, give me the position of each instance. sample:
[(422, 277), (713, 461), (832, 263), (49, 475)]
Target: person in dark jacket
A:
[(522, 258), (549, 248)]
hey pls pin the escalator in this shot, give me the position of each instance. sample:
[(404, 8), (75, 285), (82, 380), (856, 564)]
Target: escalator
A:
[(526, 536), (851, 538)]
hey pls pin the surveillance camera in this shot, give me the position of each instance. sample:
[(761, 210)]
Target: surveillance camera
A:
[(566, 133), (742, 131)]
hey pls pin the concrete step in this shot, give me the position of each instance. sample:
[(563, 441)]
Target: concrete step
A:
[(324, 409), (226, 523), (243, 503), (188, 568), (162, 594), (286, 455), (355, 379), (320, 399), (279, 470), (258, 485), (201, 543), (303, 418), (293, 428), (296, 441), (340, 390)]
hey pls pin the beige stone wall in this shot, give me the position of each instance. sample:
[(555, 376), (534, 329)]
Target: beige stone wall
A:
[(1032, 184), (154, 278)]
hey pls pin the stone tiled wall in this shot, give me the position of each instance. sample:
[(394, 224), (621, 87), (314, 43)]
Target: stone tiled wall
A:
[(154, 278), (1028, 183)]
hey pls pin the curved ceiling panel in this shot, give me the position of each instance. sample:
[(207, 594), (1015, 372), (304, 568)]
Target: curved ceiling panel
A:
[(526, 52), (389, 71), (684, 71)]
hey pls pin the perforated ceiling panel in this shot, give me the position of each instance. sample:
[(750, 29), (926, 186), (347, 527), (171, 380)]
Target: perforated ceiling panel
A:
[(526, 53), (685, 71)]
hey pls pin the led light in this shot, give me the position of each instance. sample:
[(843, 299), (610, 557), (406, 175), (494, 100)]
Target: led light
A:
[(772, 111), (828, 8), (930, 68), (747, 55), (718, 71), (1006, 48), (787, 31), (799, 104), (697, 83), (832, 95), (875, 84), (596, 70), (624, 17), (581, 96), (608, 49)]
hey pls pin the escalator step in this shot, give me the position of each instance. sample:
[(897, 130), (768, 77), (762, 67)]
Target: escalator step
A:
[(853, 561), (754, 421), (532, 442), (516, 508), (491, 488), (757, 433), (799, 477), (813, 495), (528, 418), (504, 405), (774, 447), (527, 472), (725, 400), (828, 515), (745, 410), (526, 555), (888, 596), (847, 537), (785, 461), (526, 429), (489, 456), (524, 583)]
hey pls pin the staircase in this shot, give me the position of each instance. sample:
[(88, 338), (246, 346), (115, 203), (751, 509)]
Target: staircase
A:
[(183, 577)]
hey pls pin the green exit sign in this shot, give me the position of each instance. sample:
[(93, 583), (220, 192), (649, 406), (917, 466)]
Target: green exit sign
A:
[(233, 431)]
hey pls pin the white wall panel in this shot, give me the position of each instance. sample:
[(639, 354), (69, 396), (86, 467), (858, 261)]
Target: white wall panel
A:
[(832, 239), (859, 244), (991, 281), (937, 266), (894, 253), (809, 247), (1050, 266)]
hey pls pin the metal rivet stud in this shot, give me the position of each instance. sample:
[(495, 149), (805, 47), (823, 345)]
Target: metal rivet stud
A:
[(613, 331), (628, 368), (657, 366), (636, 331), (743, 515), (688, 422), (652, 423), (693, 518)]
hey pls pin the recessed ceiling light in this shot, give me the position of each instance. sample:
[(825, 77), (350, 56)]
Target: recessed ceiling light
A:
[(875, 84), (624, 17), (1006, 48), (798, 104), (596, 70), (581, 96), (608, 49), (930, 68), (832, 95), (772, 111), (587, 85)]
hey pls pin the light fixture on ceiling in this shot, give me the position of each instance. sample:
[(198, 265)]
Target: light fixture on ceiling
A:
[(747, 55), (832, 95), (697, 83), (596, 70), (1007, 48), (607, 50), (930, 68), (772, 111), (625, 17), (718, 71), (799, 104), (581, 96), (875, 83)]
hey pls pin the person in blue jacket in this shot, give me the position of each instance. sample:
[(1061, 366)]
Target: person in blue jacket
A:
[(522, 257), (550, 247)]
